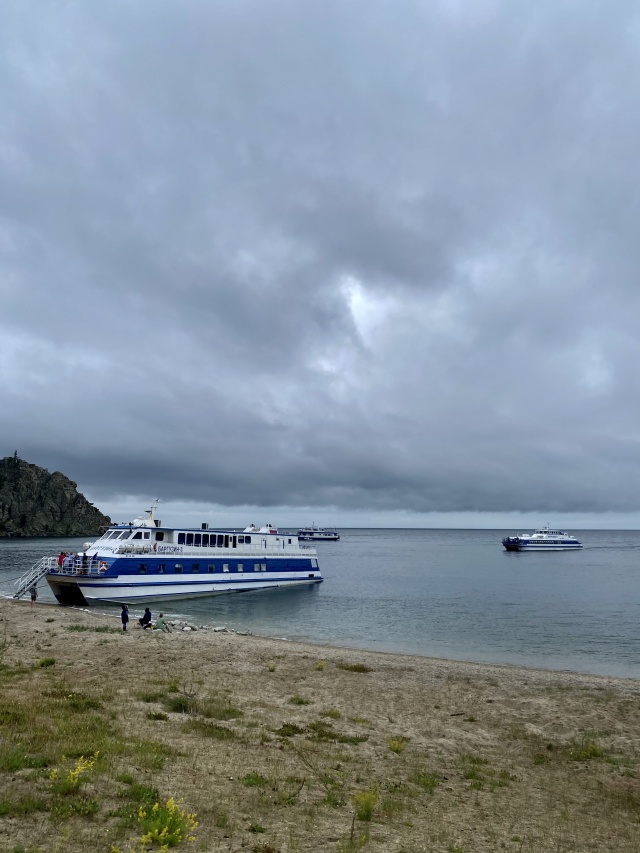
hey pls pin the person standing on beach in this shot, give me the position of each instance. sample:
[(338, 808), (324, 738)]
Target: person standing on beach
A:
[(33, 592), (124, 615)]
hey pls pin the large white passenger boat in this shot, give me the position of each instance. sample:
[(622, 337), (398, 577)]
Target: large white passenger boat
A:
[(143, 561), (543, 539)]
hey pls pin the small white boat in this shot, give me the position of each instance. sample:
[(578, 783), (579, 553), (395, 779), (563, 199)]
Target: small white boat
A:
[(317, 534), (144, 561), (543, 539)]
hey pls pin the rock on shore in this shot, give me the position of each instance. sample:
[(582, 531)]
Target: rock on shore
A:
[(34, 502)]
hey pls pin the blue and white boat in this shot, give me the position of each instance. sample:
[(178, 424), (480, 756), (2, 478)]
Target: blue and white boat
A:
[(317, 534), (543, 539), (143, 561)]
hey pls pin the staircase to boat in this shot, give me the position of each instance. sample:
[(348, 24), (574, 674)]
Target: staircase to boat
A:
[(34, 574)]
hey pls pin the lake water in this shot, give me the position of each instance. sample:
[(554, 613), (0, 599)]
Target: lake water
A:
[(444, 593)]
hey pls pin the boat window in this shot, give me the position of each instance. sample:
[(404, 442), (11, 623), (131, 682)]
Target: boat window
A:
[(247, 540), (211, 568), (220, 540), (125, 534), (189, 538), (256, 567), (142, 568), (178, 568), (240, 567), (289, 541), (195, 567), (263, 567), (205, 540), (233, 544), (225, 567), (197, 540), (180, 538), (226, 540), (241, 540), (160, 536), (137, 535)]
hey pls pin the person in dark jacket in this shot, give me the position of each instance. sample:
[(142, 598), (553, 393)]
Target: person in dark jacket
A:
[(145, 621), (124, 615)]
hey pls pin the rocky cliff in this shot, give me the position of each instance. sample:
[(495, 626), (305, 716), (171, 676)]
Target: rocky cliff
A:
[(34, 502)]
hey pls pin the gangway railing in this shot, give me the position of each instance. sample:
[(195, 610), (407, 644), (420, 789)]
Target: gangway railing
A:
[(34, 574)]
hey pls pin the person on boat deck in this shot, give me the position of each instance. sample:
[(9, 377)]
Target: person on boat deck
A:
[(145, 621), (124, 615), (162, 625), (61, 558)]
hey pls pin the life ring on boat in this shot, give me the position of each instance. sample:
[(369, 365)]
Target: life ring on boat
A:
[(103, 567), (155, 546)]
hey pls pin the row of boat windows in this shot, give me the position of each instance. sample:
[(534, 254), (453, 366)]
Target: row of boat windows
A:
[(197, 540), (212, 540), (178, 568)]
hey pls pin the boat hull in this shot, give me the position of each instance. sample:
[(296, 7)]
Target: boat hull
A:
[(84, 590), (524, 546)]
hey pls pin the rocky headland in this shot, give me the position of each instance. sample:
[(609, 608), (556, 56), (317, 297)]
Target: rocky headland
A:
[(35, 502)]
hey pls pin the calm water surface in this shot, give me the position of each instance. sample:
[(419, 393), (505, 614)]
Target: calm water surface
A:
[(445, 593)]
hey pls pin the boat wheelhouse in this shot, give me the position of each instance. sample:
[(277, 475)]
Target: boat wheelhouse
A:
[(543, 539), (317, 534), (143, 561)]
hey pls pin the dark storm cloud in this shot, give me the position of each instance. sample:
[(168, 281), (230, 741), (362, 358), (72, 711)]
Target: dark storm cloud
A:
[(366, 255)]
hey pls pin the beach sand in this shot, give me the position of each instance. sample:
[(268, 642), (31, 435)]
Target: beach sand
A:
[(283, 746)]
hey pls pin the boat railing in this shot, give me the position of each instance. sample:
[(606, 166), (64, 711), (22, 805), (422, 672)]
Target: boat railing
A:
[(193, 551)]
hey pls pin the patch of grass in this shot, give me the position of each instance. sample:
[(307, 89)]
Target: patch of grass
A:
[(354, 667), (333, 713), (364, 803), (289, 730), (586, 751), (256, 827), (209, 729), (397, 744), (157, 715), (427, 781), (299, 700), (24, 806), (254, 780), (180, 704), (95, 629), (323, 731), (320, 665), (216, 709), (151, 696), (17, 759), (45, 662), (78, 805)]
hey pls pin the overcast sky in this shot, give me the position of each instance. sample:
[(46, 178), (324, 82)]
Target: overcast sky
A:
[(351, 261)]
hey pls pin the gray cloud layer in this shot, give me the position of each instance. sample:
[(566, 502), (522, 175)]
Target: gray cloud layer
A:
[(376, 255)]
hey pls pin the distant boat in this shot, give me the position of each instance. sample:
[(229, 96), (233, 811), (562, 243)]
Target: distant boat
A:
[(543, 539), (317, 534)]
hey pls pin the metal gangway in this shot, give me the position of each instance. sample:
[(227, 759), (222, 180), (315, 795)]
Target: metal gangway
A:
[(34, 574)]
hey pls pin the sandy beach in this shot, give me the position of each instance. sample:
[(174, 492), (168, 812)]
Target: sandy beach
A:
[(281, 746)]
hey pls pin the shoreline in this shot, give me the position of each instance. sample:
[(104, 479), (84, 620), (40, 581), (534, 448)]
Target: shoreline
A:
[(199, 631)]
